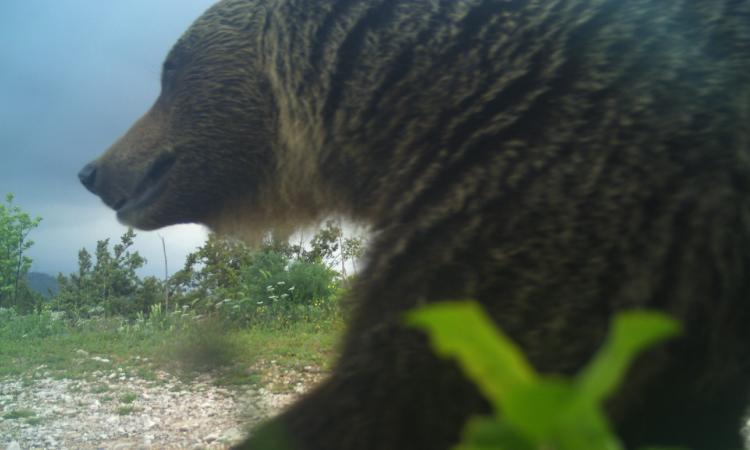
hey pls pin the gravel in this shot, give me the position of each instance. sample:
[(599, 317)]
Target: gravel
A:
[(112, 411)]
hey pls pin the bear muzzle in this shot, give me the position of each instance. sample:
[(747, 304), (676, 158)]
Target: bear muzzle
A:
[(129, 190)]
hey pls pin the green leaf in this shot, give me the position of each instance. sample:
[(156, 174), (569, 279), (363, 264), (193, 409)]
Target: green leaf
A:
[(661, 448), (535, 409), (482, 433), (538, 412), (632, 332), (463, 331), (582, 426)]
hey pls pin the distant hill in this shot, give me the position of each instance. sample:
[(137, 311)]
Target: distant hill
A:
[(42, 283)]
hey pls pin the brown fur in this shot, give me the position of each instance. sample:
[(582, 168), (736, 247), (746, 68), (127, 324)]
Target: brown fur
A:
[(557, 160)]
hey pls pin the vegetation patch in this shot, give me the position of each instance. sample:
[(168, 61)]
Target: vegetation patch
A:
[(128, 398), (19, 414), (100, 388), (243, 316), (34, 421), (125, 410)]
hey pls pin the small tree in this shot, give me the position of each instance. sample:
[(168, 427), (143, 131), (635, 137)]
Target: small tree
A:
[(325, 245), (352, 250), (150, 292), (78, 290), (15, 226), (331, 247), (212, 273), (109, 283)]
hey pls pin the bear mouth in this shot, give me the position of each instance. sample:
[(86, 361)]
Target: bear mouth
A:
[(147, 191)]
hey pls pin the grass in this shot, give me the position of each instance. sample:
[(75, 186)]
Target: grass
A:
[(128, 397), (21, 355), (100, 389), (102, 347), (19, 414), (298, 346), (235, 356), (125, 410), (146, 373), (34, 421)]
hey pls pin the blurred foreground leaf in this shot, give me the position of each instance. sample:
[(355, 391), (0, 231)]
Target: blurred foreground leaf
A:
[(533, 411)]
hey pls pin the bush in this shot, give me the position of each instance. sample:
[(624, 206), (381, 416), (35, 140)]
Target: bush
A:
[(41, 325)]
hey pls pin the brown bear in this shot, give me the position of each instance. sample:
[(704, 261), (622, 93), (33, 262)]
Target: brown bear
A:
[(556, 160)]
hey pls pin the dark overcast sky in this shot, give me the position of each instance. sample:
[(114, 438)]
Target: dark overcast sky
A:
[(74, 75)]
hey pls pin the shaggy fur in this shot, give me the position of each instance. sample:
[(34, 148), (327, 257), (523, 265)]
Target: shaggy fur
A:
[(557, 160)]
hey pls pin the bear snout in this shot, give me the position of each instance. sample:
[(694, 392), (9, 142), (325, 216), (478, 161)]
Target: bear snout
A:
[(112, 187), (130, 188), (87, 175)]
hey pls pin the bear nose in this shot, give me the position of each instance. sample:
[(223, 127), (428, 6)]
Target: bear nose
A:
[(87, 175)]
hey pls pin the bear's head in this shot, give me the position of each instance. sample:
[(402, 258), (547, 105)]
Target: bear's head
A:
[(206, 146)]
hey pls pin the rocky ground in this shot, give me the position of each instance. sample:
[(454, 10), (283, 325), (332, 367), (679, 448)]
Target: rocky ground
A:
[(111, 410)]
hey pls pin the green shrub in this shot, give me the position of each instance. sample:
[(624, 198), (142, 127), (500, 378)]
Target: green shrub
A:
[(41, 325)]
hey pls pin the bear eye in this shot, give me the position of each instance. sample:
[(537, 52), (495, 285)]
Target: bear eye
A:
[(167, 72), (169, 65)]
